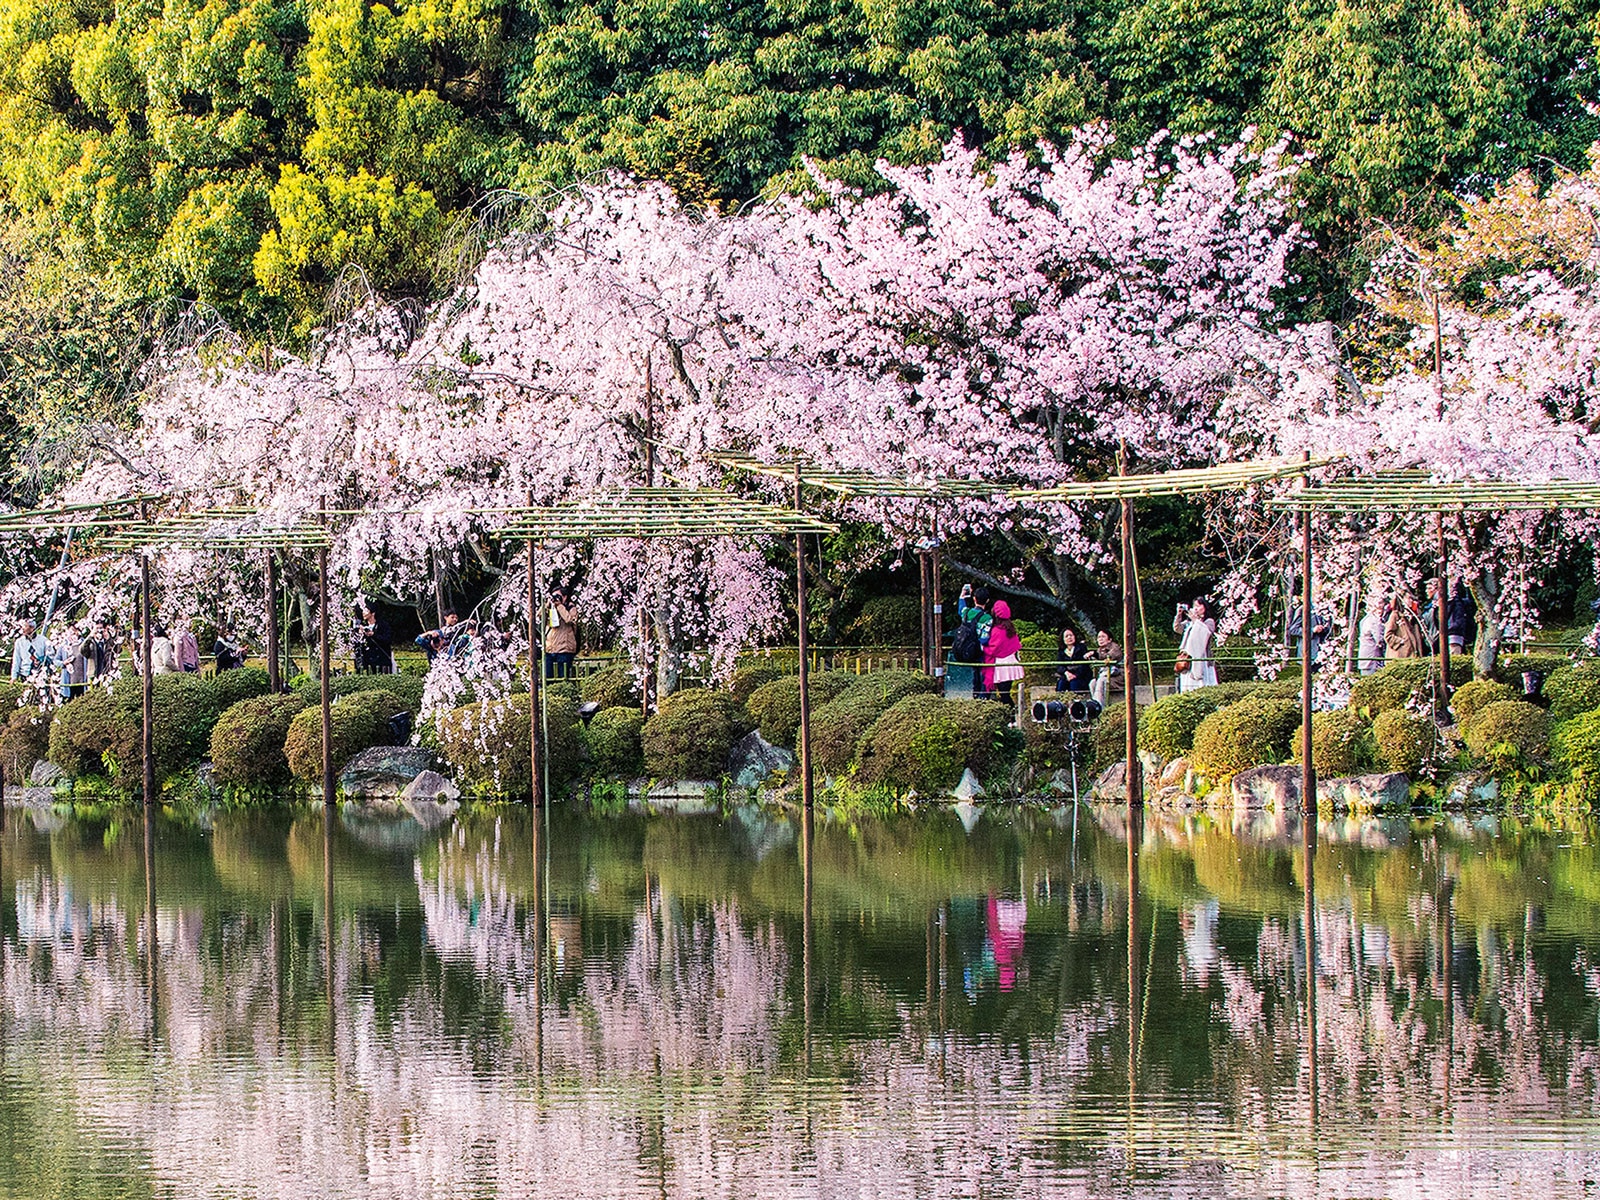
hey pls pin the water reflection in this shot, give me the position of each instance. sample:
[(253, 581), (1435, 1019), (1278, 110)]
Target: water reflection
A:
[(752, 1004)]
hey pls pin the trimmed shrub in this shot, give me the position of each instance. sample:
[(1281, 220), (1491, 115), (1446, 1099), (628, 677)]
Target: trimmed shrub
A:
[(690, 735), (185, 711), (1254, 731), (487, 743), (407, 687), (1405, 740), (24, 740), (616, 748), (612, 687), (1470, 697), (1341, 744), (11, 694), (1575, 748), (1108, 737), (359, 722), (1573, 689), (1513, 665), (886, 621), (83, 730), (924, 743), (1167, 727), (837, 726), (775, 706), (1516, 723), (1394, 685), (230, 687), (247, 742), (748, 677), (890, 687)]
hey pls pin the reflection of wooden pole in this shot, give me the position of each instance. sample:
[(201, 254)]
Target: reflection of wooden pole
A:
[(1308, 769), (1308, 855), (807, 834), (1442, 621), (147, 735), (1135, 837), (327, 919), (802, 641), (152, 940), (535, 682), (1447, 965), (326, 667), (538, 944), (274, 675)]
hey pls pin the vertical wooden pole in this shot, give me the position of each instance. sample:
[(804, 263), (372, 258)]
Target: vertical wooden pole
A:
[(1308, 769), (1133, 776), (924, 611), (649, 482), (1440, 600), (327, 697), (804, 655), (274, 674), (938, 610), (147, 736), (438, 588), (535, 682)]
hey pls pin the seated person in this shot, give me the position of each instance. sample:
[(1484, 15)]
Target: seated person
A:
[(1070, 678), (441, 640)]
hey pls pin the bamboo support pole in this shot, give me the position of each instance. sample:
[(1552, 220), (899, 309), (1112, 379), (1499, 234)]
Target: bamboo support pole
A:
[(147, 732), (535, 683), (1442, 620), (327, 697), (274, 673), (806, 793), (1132, 775), (1308, 770)]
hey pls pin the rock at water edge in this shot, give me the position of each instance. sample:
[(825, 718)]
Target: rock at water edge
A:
[(385, 771), (753, 760), (969, 788)]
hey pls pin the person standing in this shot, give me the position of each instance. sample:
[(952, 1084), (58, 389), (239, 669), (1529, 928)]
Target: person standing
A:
[(99, 652), (1369, 651), (1108, 678), (375, 653), (1004, 664), (972, 636), (561, 638), (163, 654), (1460, 618), (1402, 632), (31, 651), (229, 650), (1197, 634), (187, 648), (1319, 631)]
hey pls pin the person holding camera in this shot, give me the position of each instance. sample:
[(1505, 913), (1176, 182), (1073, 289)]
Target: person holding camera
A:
[(561, 638), (1197, 634), (375, 644)]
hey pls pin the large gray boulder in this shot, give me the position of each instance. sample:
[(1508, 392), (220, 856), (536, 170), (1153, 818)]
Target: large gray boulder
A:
[(1274, 787), (753, 760), (1370, 792), (46, 774), (384, 772)]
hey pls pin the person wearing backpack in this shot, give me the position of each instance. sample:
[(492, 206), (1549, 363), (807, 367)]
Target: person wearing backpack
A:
[(972, 635)]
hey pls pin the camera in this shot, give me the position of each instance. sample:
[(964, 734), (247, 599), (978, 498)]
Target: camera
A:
[(1079, 712)]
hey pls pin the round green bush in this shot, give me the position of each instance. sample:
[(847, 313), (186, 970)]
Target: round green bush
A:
[(1406, 740), (775, 706), (924, 743), (83, 730), (690, 735), (889, 687), (1167, 727), (612, 686), (1394, 685), (1253, 731), (184, 713), (886, 621), (487, 743), (1108, 736), (615, 742), (1515, 723), (11, 694), (1575, 749), (837, 726), (1470, 697), (407, 687), (1341, 743), (1573, 689), (241, 683), (247, 742), (359, 722), (24, 740), (747, 677), (1513, 665)]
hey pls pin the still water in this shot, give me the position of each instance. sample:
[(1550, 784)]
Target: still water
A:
[(687, 1006)]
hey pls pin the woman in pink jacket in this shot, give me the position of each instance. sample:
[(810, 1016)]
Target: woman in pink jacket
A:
[(1004, 667)]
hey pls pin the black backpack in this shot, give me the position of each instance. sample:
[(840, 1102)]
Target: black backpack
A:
[(967, 646)]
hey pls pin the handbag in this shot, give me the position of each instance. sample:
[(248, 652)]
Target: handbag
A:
[(1007, 669), (1183, 664)]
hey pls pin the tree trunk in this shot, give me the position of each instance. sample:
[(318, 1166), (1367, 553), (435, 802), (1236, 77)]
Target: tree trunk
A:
[(1486, 648)]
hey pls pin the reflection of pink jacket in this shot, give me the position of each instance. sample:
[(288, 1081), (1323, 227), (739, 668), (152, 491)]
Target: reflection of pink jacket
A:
[(1006, 919), (1000, 643)]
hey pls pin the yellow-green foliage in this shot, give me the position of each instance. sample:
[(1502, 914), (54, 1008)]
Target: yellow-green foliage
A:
[(24, 740), (1573, 689), (407, 687), (230, 687), (1341, 743), (1523, 727), (1396, 684), (1472, 696), (747, 677), (690, 735), (1254, 731), (1575, 747), (247, 742), (775, 706), (487, 743), (924, 743), (1406, 741), (1167, 727), (101, 722), (612, 686), (615, 747), (358, 722)]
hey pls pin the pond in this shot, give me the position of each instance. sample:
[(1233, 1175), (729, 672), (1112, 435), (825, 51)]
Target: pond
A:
[(735, 1005)]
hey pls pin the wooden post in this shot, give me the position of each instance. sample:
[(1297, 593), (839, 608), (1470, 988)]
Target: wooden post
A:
[(938, 611), (535, 682), (1132, 775), (926, 616), (1440, 601), (326, 667), (1308, 769), (805, 670), (147, 737), (274, 674)]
